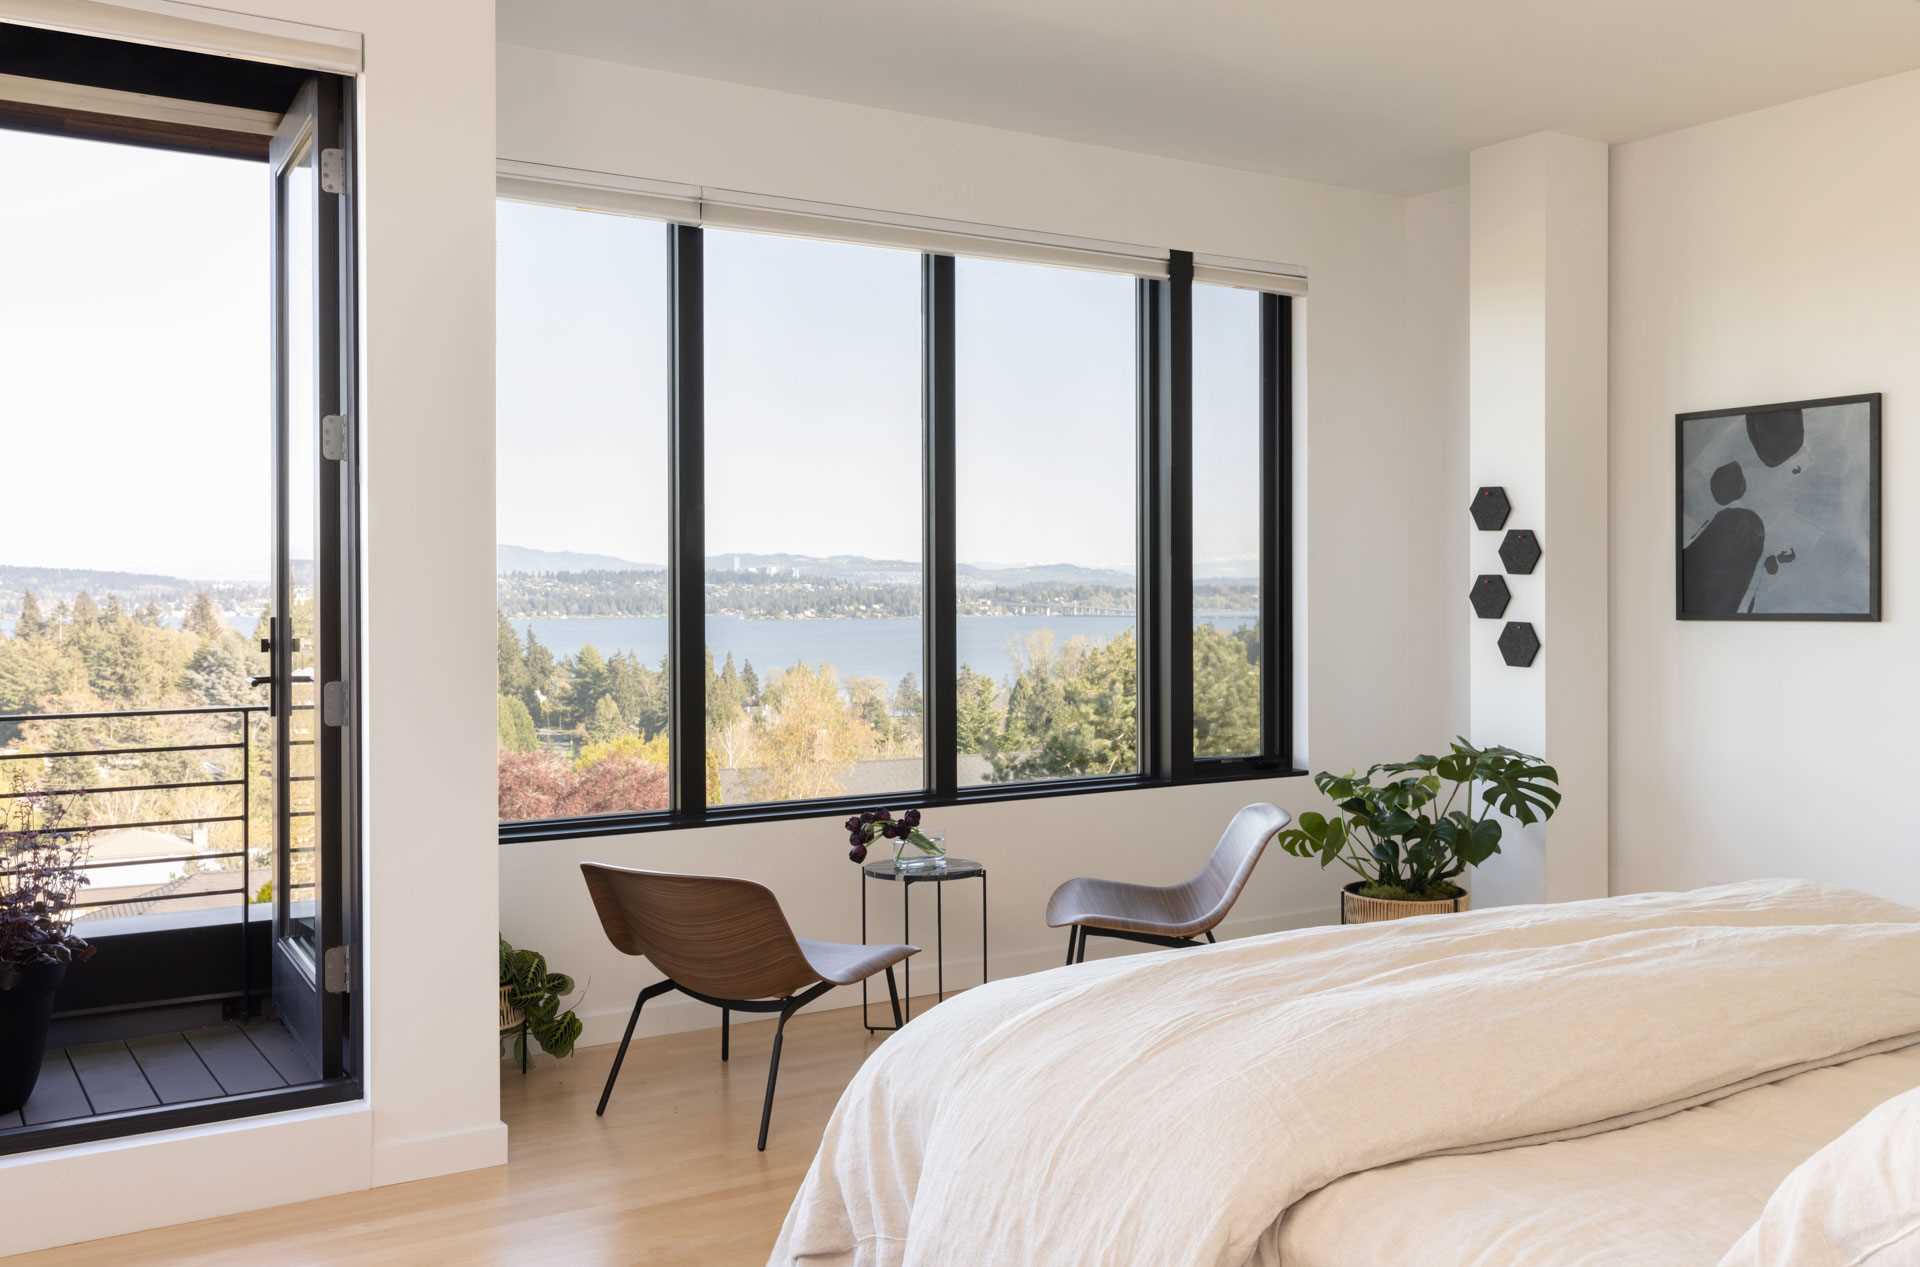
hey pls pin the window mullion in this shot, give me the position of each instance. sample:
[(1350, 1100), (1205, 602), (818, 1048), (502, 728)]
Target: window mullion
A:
[(1165, 583), (939, 608), (1276, 527), (686, 604)]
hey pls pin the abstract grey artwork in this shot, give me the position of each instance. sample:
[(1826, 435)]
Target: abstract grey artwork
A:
[(1779, 511)]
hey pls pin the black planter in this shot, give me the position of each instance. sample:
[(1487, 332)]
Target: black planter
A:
[(24, 1012)]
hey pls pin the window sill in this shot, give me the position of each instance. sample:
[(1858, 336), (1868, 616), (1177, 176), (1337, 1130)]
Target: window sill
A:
[(1212, 771)]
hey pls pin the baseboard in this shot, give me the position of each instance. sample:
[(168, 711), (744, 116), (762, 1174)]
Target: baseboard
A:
[(425, 1156), (677, 1014)]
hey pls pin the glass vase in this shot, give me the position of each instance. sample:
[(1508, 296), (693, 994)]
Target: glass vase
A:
[(912, 859)]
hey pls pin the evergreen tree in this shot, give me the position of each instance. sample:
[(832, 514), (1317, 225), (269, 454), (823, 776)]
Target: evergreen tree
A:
[(749, 685), (541, 672), (85, 611), (516, 726), (217, 673), (908, 703), (31, 623), (149, 615), (605, 723), (976, 717), (513, 662), (203, 618)]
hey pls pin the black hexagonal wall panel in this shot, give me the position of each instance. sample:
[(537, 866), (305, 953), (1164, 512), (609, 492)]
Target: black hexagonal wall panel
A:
[(1519, 644), (1490, 596), (1520, 551), (1490, 508)]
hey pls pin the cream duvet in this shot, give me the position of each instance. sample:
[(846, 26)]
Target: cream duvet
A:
[(1169, 1108)]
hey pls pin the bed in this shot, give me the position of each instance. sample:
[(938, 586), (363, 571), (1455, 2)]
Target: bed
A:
[(1627, 1081)]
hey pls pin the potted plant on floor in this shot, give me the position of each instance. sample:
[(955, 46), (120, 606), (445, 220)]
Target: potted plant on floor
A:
[(1407, 841), (40, 877), (530, 1004)]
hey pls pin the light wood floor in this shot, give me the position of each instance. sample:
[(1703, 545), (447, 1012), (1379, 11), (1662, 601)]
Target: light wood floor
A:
[(668, 1177)]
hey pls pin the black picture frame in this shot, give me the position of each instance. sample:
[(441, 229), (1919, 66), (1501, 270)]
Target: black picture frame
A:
[(1682, 610)]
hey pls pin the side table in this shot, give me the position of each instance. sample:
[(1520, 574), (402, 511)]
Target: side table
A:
[(956, 869)]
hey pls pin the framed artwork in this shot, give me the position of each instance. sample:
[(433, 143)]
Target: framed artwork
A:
[(1778, 511)]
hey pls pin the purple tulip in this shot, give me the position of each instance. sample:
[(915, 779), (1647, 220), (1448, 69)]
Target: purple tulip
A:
[(911, 818), (853, 824), (858, 853)]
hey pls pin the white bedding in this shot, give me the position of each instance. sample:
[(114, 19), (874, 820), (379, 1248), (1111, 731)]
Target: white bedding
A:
[(1170, 1108), (1676, 1192)]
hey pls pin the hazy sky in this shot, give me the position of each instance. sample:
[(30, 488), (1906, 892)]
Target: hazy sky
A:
[(134, 385), (813, 400)]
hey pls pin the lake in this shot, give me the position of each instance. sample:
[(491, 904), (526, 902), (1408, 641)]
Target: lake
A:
[(886, 649)]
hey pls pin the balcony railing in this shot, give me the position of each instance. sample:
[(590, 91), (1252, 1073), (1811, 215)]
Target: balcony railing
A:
[(234, 725)]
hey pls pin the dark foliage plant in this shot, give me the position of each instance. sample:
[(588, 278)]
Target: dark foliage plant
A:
[(537, 993), (1402, 839), (41, 875)]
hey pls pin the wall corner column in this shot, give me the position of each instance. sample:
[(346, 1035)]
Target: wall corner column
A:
[(1538, 428)]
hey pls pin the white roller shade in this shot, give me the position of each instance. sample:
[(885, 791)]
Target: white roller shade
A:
[(597, 191), (135, 105), (196, 29), (738, 209), (1274, 279)]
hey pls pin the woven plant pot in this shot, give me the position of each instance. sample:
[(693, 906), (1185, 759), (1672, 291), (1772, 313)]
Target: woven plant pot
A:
[(510, 1016), (1355, 909)]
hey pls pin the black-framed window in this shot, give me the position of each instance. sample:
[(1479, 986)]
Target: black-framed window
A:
[(941, 530)]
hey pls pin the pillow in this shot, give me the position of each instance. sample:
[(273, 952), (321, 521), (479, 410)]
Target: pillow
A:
[(1855, 1203)]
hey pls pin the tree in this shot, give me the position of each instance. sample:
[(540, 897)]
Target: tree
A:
[(807, 738), (1071, 712), (749, 685), (31, 623), (541, 675), (149, 615), (516, 726), (217, 673), (203, 619), (867, 700), (908, 703), (511, 662), (1226, 692), (85, 611), (589, 682), (977, 717), (605, 722)]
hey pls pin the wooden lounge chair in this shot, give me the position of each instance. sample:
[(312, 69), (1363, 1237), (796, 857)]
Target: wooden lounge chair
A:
[(726, 943), (1171, 915)]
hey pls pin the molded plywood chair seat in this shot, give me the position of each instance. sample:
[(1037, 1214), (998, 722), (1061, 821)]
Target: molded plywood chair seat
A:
[(1167, 915), (726, 943)]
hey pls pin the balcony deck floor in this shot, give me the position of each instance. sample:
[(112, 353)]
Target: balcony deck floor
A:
[(89, 1079)]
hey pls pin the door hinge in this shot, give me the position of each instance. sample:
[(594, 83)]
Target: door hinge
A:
[(333, 438), (338, 974), (333, 172), (333, 703)]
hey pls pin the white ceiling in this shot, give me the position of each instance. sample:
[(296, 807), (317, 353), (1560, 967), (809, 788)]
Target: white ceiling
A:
[(1380, 94)]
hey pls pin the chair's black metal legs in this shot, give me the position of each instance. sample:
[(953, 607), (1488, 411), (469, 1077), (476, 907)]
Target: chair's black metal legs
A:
[(1209, 937), (726, 1014), (893, 996), (1073, 942), (773, 1076), (651, 991)]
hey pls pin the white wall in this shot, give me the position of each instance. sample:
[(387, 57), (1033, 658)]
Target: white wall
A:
[(1763, 258), (1538, 370), (427, 144), (1382, 665)]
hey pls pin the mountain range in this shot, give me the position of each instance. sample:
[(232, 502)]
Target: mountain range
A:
[(856, 569)]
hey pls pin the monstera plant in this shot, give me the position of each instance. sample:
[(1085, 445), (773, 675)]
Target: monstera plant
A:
[(535, 994), (1409, 829)]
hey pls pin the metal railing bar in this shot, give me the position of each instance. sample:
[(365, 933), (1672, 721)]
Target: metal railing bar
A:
[(157, 822), (157, 897), (141, 861), (115, 752), (119, 787), (197, 710)]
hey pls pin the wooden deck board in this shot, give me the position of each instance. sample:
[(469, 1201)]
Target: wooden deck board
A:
[(286, 1057), (174, 1068), (111, 1077), (233, 1060), (57, 1096)]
